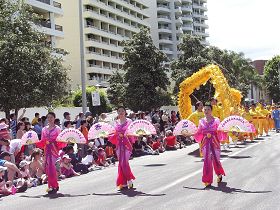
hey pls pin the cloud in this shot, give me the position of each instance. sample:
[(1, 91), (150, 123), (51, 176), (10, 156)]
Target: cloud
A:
[(248, 26)]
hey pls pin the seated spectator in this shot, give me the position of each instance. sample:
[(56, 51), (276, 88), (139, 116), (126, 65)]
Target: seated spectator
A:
[(89, 120), (25, 173), (158, 145), (5, 160), (36, 165), (88, 160), (170, 141), (101, 158), (67, 168), (76, 161), (141, 148), (4, 190), (99, 142), (57, 122), (15, 149), (109, 150)]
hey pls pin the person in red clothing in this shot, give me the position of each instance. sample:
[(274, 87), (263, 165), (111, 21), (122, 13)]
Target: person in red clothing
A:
[(157, 145), (170, 141), (174, 118)]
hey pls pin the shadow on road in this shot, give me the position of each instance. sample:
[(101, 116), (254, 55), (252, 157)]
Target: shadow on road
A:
[(222, 187), (195, 153), (240, 157), (54, 196), (155, 165), (129, 193)]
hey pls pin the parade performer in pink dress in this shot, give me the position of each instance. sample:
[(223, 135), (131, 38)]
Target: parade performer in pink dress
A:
[(210, 138), (123, 150), (51, 148)]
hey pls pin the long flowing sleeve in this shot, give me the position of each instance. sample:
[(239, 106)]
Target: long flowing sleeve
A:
[(42, 143), (199, 134)]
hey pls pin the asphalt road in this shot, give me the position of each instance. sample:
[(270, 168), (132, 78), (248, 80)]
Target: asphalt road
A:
[(171, 180)]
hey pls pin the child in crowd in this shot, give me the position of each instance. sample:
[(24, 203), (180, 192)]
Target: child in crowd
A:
[(25, 173), (67, 168), (101, 158), (88, 160), (36, 166), (158, 145), (170, 141), (4, 190)]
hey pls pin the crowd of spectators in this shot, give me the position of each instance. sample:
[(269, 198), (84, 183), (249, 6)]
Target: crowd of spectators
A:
[(22, 167)]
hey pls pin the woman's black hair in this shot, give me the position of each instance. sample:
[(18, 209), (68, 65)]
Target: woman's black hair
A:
[(197, 104), (20, 124), (121, 107), (52, 113), (83, 122), (209, 105), (66, 123)]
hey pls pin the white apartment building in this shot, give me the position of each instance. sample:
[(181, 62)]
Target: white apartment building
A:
[(49, 10), (106, 23), (170, 19)]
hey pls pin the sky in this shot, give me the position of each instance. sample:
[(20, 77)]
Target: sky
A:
[(249, 26)]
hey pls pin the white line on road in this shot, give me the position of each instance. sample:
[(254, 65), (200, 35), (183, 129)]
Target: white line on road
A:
[(182, 179)]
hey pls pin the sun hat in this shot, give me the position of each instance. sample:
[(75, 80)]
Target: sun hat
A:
[(23, 163)]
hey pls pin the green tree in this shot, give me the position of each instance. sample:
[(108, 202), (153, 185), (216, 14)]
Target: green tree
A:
[(145, 74), (271, 77), (30, 74), (116, 92), (104, 107)]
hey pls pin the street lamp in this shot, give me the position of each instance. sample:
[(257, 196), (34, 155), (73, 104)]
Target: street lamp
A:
[(83, 76)]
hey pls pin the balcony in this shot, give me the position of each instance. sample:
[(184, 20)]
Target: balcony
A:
[(187, 27), (187, 18), (186, 8), (45, 6), (165, 41), (200, 15), (203, 25), (167, 51), (163, 29), (201, 33), (164, 19), (163, 8), (200, 6)]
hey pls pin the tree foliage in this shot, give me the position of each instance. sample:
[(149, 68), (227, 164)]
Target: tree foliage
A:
[(236, 68), (116, 92), (30, 74), (145, 74), (104, 107), (271, 77)]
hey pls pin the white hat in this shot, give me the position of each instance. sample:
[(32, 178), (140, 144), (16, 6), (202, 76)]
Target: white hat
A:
[(66, 156), (23, 163), (3, 126), (2, 168)]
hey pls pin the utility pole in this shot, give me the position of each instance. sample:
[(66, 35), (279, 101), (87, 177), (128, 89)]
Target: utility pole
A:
[(82, 52)]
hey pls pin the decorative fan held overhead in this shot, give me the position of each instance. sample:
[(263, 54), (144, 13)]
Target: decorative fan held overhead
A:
[(71, 135), (30, 137), (236, 124), (100, 130), (185, 128), (140, 128)]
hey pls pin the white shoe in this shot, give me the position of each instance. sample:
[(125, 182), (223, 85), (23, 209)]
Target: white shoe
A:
[(224, 146), (130, 184)]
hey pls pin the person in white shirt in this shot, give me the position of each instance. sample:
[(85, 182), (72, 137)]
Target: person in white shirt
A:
[(88, 160)]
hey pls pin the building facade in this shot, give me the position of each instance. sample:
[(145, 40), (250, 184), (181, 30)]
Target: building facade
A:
[(170, 19), (49, 10), (105, 24), (256, 93)]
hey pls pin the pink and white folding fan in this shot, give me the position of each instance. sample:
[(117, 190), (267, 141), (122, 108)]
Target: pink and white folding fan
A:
[(185, 128), (30, 137), (100, 130), (235, 124), (141, 128), (71, 135)]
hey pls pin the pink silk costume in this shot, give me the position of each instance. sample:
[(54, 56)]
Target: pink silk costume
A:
[(51, 148), (123, 151), (210, 138)]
